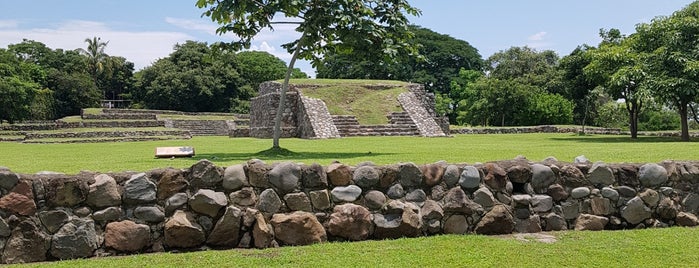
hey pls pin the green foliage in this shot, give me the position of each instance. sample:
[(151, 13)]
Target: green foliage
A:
[(72, 92), (578, 86), (657, 120), (256, 67), (443, 58), (193, 78), (612, 115), (116, 78), (17, 86)]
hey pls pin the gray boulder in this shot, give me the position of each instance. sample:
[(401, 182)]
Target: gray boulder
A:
[(456, 201), (451, 175), (531, 224), (542, 177), (27, 243), (53, 220), (314, 177), (498, 220), (555, 222), (269, 201), (244, 197), (406, 224), (226, 232), (204, 174), (652, 175), (374, 199), (351, 222), (580, 192), (609, 192), (346, 194), (107, 215), (570, 210), (635, 211), (587, 222), (542, 203), (416, 196), (470, 178), (149, 214), (626, 191), (395, 192), (456, 224), (409, 175), (298, 201), (175, 202), (366, 177), (4, 228), (484, 197), (234, 178), (286, 177), (104, 192), (431, 210), (600, 174), (75, 239), (182, 231), (320, 199), (8, 179), (208, 202), (520, 173), (139, 190)]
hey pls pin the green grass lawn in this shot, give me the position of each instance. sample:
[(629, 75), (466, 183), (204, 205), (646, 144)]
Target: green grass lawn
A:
[(224, 151), (672, 247)]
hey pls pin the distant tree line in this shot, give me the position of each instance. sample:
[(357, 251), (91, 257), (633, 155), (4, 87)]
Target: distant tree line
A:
[(648, 80), (40, 83)]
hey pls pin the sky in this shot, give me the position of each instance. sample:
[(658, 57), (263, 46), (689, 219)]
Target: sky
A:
[(146, 30)]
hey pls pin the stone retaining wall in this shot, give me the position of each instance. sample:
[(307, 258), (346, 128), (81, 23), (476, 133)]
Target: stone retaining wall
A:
[(49, 216)]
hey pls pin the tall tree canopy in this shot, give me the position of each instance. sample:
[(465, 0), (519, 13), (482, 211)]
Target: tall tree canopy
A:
[(669, 48), (324, 26), (442, 58)]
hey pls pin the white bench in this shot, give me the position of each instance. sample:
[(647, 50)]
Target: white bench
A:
[(164, 152)]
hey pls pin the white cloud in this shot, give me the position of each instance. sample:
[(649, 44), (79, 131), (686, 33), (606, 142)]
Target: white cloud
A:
[(196, 25), (8, 24), (141, 48), (537, 36)]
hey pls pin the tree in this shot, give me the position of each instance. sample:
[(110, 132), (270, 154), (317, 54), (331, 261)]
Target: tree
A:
[(577, 86), (671, 50), (17, 86), (192, 78), (256, 67), (324, 26), (443, 57), (619, 68), (95, 55)]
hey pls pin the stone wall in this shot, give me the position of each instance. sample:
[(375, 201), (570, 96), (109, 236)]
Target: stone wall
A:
[(263, 110), (49, 216)]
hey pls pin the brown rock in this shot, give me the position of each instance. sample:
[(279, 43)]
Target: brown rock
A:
[(104, 192), (298, 228), (650, 197), (495, 177), (183, 231), (626, 175), (433, 173), (407, 224), (339, 174), (262, 234), (520, 173), (126, 236), (389, 174), (531, 224), (587, 222), (456, 201), (27, 243), (557, 192), (170, 181), (350, 221), (257, 173), (66, 192), (227, 229), (498, 220), (572, 177), (600, 206), (20, 200), (686, 219), (667, 209), (456, 224)]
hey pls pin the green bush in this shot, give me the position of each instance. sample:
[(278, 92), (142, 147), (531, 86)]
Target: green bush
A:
[(651, 120)]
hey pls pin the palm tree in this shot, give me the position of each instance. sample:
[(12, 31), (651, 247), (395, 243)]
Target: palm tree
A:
[(95, 54)]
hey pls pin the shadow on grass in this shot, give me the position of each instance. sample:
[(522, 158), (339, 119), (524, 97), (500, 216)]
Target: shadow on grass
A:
[(284, 155), (620, 139)]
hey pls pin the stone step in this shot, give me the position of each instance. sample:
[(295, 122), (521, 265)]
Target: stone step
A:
[(116, 116), (111, 124), (107, 139), (104, 134)]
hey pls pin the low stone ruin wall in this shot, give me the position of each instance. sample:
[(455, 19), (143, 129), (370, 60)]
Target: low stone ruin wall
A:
[(48, 216)]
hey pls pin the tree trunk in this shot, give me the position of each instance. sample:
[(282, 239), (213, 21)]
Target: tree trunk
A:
[(633, 121), (683, 120), (282, 96)]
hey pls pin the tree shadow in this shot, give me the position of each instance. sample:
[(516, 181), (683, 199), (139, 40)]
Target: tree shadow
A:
[(290, 155), (620, 139)]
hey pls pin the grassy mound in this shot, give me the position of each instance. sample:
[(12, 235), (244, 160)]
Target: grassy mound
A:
[(370, 101)]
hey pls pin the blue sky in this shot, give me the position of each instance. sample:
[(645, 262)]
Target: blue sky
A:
[(146, 30)]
